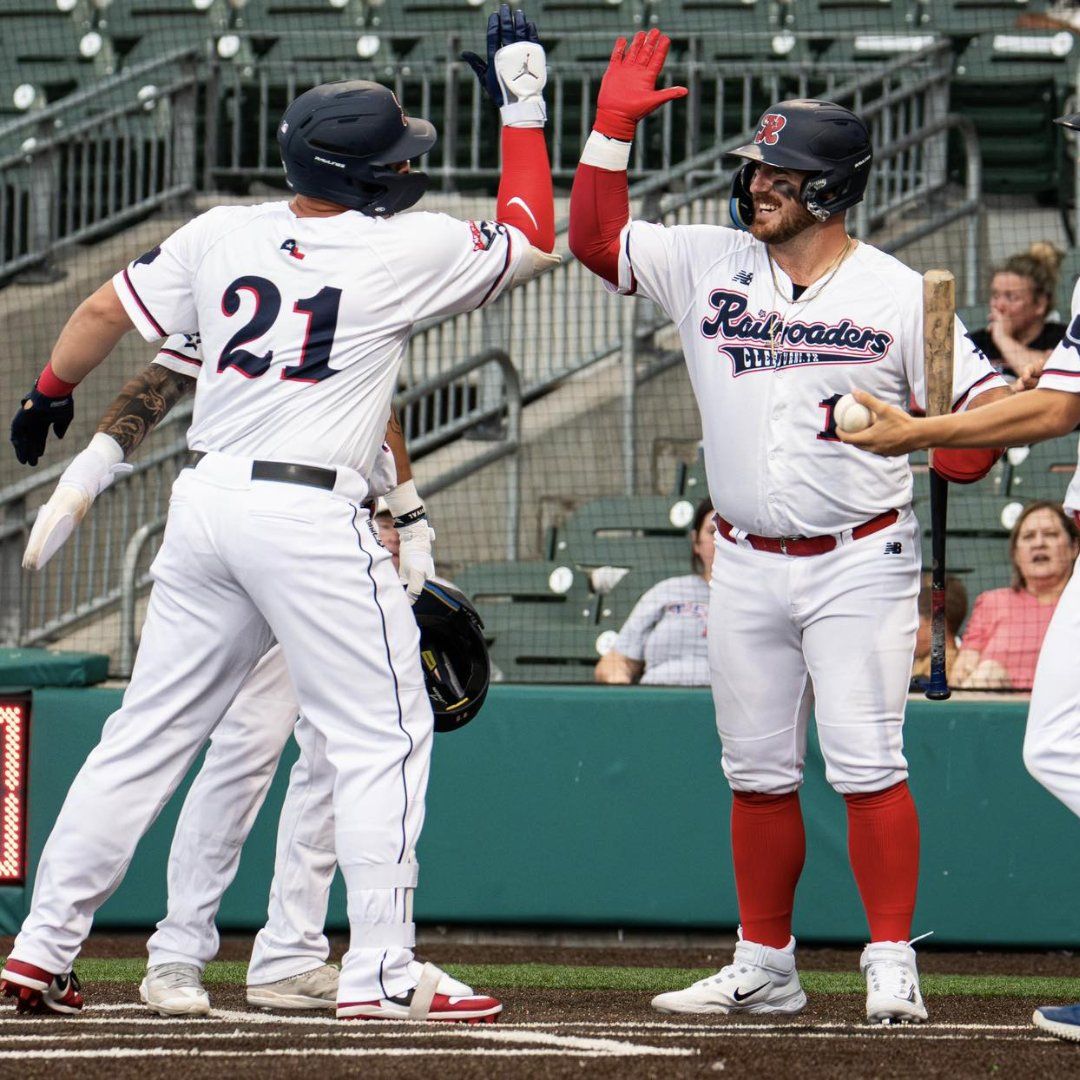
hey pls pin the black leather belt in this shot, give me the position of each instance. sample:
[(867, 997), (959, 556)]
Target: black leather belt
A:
[(283, 472)]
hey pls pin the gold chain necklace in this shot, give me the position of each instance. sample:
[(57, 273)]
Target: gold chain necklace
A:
[(830, 273)]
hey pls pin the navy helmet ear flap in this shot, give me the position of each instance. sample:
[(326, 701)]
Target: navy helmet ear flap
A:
[(741, 203)]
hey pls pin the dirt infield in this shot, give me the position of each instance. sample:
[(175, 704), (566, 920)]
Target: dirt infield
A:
[(550, 1033)]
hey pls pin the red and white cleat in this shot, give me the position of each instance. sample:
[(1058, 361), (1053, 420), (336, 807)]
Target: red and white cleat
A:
[(436, 996), (39, 992)]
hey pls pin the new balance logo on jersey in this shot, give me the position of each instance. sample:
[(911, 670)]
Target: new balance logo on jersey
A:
[(293, 248), (893, 547), (764, 342), (743, 277)]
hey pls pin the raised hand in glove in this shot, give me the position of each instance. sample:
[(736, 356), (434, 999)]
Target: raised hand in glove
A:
[(628, 91), (88, 475), (515, 71), (30, 427)]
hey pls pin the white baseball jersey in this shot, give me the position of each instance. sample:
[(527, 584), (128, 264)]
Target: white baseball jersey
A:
[(1062, 372), (183, 353), (767, 372), (304, 321)]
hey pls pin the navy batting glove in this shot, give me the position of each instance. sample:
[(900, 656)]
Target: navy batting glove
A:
[(505, 28), (30, 428)]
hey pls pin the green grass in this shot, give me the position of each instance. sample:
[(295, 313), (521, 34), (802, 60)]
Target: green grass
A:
[(645, 980)]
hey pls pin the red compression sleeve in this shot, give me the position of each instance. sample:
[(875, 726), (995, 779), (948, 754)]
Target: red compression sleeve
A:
[(599, 210), (51, 385), (768, 847), (883, 844), (963, 465), (525, 199)]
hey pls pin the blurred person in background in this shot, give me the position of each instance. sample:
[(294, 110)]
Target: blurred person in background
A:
[(1018, 338), (1001, 645), (663, 641), (956, 607)]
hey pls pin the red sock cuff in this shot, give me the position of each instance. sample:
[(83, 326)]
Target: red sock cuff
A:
[(51, 386), (768, 845), (526, 178)]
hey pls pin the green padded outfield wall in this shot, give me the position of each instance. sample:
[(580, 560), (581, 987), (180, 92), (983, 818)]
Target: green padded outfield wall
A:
[(606, 806)]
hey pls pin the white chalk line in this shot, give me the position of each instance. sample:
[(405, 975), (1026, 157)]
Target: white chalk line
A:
[(307, 1052)]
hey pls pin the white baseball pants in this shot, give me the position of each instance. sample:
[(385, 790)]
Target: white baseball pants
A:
[(218, 813), (1052, 739), (832, 632), (242, 562)]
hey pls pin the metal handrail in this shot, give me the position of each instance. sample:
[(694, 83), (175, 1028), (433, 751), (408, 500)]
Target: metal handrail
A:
[(509, 445)]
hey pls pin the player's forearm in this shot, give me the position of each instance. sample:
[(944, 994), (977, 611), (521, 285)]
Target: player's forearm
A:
[(88, 337), (1011, 421), (1017, 356), (600, 205), (142, 404), (525, 197), (395, 439)]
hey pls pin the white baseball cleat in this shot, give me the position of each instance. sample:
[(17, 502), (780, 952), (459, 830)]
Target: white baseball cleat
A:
[(174, 990), (892, 983), (759, 980), (314, 989), (436, 996)]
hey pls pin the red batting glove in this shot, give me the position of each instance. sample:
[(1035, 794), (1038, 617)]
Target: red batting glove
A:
[(628, 91)]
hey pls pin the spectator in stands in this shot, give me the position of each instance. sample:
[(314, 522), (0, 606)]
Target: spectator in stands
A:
[(1001, 644), (1018, 337), (956, 606), (662, 643)]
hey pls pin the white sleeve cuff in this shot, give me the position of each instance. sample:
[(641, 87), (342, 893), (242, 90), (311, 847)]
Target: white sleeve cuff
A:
[(530, 113), (605, 153), (138, 312)]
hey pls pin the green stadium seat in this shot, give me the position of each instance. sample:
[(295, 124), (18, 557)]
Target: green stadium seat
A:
[(691, 481), (542, 652), (846, 16), (553, 585), (616, 605), (1044, 472), (634, 531)]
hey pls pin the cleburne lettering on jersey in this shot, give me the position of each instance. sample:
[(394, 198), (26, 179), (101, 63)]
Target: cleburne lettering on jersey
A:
[(753, 343)]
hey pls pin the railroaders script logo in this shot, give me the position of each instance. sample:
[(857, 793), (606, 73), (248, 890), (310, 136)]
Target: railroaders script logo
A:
[(764, 343)]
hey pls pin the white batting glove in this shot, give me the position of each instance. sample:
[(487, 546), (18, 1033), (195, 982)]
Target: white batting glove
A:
[(88, 475), (521, 70), (416, 563)]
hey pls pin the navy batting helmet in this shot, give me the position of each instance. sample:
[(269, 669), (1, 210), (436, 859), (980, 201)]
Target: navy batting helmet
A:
[(817, 137), (339, 140), (453, 654)]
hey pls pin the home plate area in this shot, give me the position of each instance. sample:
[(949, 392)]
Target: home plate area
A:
[(543, 1034)]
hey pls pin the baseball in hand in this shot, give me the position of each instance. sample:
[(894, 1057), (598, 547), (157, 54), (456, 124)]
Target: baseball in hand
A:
[(850, 416)]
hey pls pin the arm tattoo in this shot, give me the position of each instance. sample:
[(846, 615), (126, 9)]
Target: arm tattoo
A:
[(142, 404)]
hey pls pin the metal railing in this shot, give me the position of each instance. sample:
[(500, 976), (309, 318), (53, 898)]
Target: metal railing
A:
[(97, 160), (104, 566)]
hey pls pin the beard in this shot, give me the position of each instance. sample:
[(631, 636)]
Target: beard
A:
[(782, 225)]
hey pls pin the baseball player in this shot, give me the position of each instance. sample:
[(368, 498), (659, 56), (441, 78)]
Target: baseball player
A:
[(304, 308), (817, 563), (1051, 409)]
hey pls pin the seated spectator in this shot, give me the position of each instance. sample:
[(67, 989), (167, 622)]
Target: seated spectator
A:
[(1018, 337), (1001, 643), (662, 643)]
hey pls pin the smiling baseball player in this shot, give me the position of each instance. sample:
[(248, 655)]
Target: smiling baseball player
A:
[(817, 563), (304, 308)]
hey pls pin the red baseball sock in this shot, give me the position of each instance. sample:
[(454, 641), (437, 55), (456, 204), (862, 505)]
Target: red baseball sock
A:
[(883, 843), (768, 846)]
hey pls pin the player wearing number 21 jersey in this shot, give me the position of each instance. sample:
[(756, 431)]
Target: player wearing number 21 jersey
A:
[(816, 573), (303, 308)]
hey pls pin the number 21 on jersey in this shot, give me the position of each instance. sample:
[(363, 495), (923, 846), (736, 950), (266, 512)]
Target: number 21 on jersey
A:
[(320, 313)]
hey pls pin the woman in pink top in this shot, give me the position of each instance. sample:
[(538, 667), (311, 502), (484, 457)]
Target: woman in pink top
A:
[(1001, 644)]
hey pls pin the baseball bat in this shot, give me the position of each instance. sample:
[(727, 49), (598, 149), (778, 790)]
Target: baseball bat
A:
[(939, 315)]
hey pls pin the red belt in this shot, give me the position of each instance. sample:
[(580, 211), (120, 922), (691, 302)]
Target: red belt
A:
[(805, 545)]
